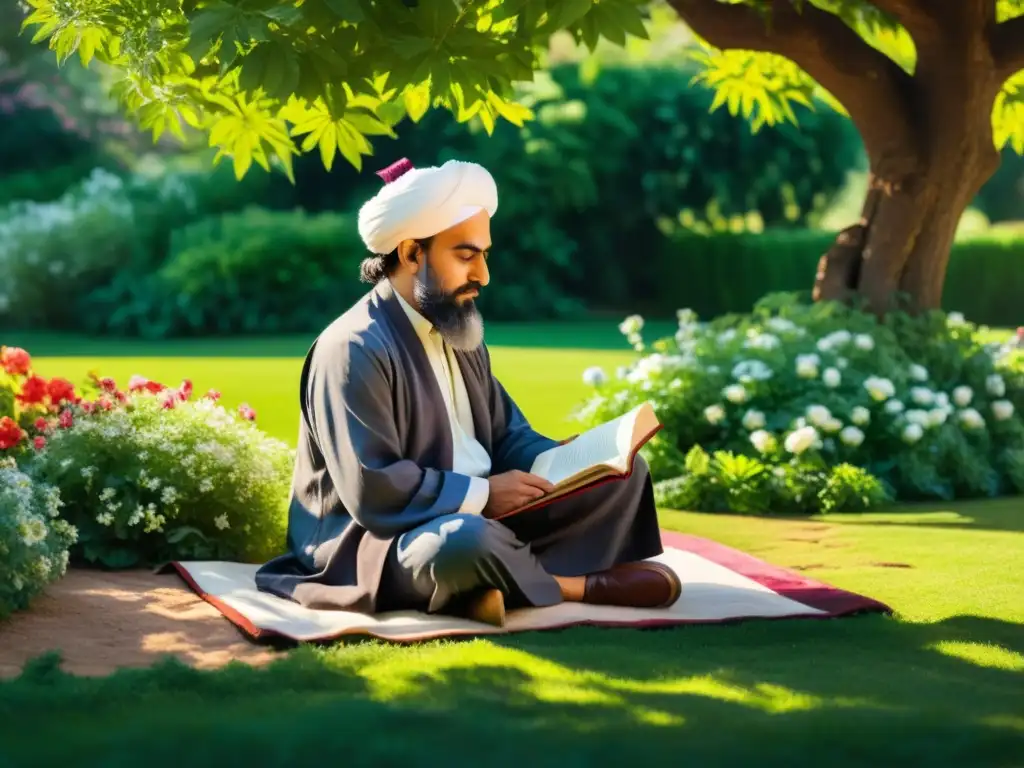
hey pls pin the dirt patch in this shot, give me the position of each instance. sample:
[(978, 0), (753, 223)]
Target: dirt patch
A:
[(103, 621)]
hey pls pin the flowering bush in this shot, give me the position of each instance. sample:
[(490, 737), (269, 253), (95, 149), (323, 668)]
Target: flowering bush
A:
[(33, 543), (919, 403), (147, 473), (162, 476)]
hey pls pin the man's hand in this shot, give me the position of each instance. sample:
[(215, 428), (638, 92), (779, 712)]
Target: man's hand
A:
[(512, 490)]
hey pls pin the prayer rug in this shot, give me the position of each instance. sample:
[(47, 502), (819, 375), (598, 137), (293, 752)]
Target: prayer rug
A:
[(720, 584)]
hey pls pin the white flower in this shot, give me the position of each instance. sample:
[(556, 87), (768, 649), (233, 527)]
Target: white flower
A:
[(833, 340), (753, 420), (726, 336), (782, 325), (594, 376), (831, 378), (801, 440), (918, 372), (962, 396), (818, 414), (107, 494), (912, 433), (852, 436), (746, 371), (879, 388), (686, 317), (735, 393), (937, 417), (971, 419), (915, 416), (762, 341), (221, 521), (955, 320), (675, 384), (894, 407), (205, 485), (807, 366), (622, 372), (832, 425), (941, 400), (714, 413), (864, 342), (860, 415), (763, 442), (1002, 410), (105, 518), (995, 385), (922, 395), (632, 325)]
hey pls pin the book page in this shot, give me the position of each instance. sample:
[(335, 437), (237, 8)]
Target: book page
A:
[(607, 444)]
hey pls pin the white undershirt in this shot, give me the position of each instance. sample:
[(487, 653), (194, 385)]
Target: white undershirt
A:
[(470, 457)]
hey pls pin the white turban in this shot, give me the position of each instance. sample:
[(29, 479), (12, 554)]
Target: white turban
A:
[(420, 202)]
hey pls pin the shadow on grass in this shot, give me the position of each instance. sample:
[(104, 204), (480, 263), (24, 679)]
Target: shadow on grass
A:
[(852, 691), (1001, 514)]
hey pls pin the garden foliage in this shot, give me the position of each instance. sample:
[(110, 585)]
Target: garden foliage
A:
[(797, 407)]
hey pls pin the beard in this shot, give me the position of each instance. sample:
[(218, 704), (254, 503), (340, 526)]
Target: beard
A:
[(459, 322)]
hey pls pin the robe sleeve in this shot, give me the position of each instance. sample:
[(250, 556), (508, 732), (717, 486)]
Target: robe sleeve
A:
[(351, 411), (516, 443)]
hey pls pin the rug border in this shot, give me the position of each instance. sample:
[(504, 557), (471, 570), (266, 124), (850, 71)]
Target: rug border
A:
[(826, 601)]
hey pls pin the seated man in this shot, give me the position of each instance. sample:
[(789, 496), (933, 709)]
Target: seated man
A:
[(408, 445)]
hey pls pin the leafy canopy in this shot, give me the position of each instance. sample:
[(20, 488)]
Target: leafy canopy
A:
[(270, 78), (267, 79)]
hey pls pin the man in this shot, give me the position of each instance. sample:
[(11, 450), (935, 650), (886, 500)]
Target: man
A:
[(408, 445)]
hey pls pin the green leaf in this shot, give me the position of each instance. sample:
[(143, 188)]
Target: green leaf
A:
[(608, 25), (272, 67), (368, 125), (437, 17), (347, 10), (417, 102), (287, 14), (626, 16)]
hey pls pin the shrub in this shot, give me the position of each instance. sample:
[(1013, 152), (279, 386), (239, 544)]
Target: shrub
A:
[(33, 542), (256, 271), (918, 402), (153, 475)]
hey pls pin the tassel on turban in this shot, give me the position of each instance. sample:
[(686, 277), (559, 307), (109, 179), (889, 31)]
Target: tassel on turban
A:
[(420, 202)]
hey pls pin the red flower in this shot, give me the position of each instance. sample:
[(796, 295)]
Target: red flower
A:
[(154, 387), (121, 396), (105, 403), (246, 412), (185, 390), (88, 407), (61, 390), (39, 442), (42, 424), (16, 361), (213, 394), (108, 384), (169, 400), (33, 390), (66, 419), (10, 433)]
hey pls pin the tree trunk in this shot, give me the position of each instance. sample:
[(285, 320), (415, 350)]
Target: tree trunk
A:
[(897, 254)]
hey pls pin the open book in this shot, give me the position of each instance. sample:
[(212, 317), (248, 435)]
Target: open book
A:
[(603, 453)]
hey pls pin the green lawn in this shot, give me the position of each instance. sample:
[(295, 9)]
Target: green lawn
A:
[(941, 683)]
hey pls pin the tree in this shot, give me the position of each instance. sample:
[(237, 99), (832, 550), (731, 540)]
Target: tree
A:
[(934, 88)]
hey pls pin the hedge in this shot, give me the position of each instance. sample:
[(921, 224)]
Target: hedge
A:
[(725, 273)]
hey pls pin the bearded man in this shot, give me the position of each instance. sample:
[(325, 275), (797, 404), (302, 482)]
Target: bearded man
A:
[(409, 446)]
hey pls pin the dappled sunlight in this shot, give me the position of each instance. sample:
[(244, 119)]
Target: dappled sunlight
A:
[(982, 654)]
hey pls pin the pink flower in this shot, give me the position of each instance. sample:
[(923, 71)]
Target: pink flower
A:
[(39, 442), (168, 400), (246, 412), (66, 419), (136, 383), (42, 424), (108, 384), (185, 390), (16, 361), (213, 394)]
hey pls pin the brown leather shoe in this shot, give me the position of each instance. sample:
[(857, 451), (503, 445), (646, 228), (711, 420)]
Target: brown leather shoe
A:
[(488, 608), (634, 585)]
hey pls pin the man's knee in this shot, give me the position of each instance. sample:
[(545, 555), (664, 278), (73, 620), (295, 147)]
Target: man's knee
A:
[(465, 541)]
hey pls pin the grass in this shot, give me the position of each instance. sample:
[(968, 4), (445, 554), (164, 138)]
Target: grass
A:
[(941, 682)]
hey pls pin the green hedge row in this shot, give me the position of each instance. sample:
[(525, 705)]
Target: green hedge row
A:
[(724, 273)]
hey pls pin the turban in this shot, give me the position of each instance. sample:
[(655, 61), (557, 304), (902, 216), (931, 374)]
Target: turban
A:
[(420, 202)]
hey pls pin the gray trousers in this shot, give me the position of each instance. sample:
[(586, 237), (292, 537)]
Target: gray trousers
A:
[(432, 567)]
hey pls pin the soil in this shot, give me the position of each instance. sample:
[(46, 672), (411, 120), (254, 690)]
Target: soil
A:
[(102, 621)]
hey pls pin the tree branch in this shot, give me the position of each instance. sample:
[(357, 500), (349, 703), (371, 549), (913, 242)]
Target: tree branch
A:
[(870, 85), (910, 13), (1008, 47)]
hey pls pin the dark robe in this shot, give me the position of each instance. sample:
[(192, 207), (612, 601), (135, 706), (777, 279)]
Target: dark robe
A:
[(374, 460)]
